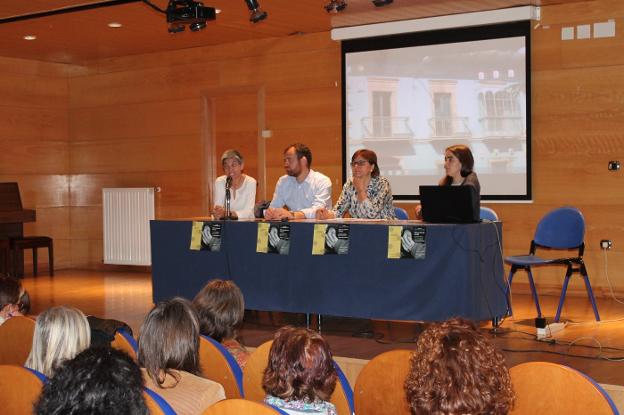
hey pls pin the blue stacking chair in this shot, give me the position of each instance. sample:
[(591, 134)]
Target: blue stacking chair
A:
[(485, 213), (552, 388), (217, 364), (344, 394), (126, 343), (156, 404), (563, 229), (400, 213)]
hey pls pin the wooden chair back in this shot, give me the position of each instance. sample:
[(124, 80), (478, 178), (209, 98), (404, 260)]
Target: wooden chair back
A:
[(19, 390), (17, 336), (254, 370), (217, 364), (126, 343), (379, 387), (240, 407), (554, 389)]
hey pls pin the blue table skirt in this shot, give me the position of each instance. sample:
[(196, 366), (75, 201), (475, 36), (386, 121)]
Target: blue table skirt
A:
[(462, 274)]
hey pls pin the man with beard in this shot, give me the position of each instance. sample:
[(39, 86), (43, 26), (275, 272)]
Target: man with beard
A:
[(301, 191)]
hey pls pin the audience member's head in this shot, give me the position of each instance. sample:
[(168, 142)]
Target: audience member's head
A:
[(10, 289), (169, 340), (220, 308), (300, 366), (98, 381), (60, 334), (456, 370)]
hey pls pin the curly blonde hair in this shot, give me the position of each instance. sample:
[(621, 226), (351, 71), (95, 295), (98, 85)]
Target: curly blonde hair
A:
[(456, 370)]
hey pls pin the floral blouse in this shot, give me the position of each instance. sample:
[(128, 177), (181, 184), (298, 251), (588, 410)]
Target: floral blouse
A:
[(301, 407), (240, 352), (377, 206)]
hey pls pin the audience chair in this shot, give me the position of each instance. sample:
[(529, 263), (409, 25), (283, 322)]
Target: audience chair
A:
[(18, 244), (17, 336), (156, 404), (379, 387), (559, 229), (400, 213), (242, 407), (218, 364), (20, 388), (554, 389), (486, 213), (126, 343), (342, 397), (253, 371)]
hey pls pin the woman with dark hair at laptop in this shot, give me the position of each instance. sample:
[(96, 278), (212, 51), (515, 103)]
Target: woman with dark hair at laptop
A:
[(458, 165), (366, 194)]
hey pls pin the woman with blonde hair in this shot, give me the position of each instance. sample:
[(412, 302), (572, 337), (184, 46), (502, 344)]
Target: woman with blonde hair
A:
[(60, 334)]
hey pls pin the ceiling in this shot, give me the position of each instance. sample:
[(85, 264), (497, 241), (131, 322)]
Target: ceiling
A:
[(83, 36)]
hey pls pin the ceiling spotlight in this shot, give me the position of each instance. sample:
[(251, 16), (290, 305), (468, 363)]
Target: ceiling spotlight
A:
[(114, 25), (30, 37), (255, 14), (193, 13), (335, 6), (381, 3)]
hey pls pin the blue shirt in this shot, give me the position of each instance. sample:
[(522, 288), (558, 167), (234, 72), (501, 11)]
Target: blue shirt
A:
[(308, 196)]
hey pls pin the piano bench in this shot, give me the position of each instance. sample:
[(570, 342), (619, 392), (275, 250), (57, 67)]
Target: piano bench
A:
[(33, 242)]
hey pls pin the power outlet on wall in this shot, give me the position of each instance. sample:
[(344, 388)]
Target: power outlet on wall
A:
[(606, 244)]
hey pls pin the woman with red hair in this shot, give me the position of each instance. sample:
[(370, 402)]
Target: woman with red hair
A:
[(456, 370), (300, 376)]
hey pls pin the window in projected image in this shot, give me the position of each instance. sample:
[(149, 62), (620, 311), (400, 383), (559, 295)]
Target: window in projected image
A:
[(409, 102)]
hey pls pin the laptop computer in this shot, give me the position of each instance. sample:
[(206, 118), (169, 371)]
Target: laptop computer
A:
[(449, 204)]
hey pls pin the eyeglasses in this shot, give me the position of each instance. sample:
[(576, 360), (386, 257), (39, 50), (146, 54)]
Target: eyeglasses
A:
[(358, 163)]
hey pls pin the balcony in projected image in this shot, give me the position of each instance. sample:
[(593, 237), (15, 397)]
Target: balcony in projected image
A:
[(502, 126), (381, 127), (449, 127)]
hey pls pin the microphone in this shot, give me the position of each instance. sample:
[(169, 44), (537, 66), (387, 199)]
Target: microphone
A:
[(228, 197)]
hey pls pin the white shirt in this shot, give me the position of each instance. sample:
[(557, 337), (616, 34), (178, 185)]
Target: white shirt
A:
[(243, 199), (308, 196)]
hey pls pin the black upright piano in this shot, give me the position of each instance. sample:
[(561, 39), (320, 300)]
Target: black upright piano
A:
[(12, 219)]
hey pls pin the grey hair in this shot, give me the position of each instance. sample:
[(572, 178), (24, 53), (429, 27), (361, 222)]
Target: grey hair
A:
[(232, 154), (60, 334)]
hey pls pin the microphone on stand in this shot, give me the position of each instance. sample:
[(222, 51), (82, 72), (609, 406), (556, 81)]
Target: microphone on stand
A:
[(228, 196)]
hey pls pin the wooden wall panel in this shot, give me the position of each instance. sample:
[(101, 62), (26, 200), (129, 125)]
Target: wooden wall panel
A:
[(176, 152), (132, 86), (24, 123), (34, 146), (131, 121), (33, 157), (33, 91)]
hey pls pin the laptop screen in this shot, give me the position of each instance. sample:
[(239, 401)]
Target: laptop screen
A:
[(449, 204)]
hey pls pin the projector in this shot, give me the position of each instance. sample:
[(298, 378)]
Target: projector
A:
[(193, 13)]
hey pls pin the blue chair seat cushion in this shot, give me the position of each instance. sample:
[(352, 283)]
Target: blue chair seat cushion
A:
[(529, 260)]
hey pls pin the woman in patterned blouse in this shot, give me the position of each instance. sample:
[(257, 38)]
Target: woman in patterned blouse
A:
[(366, 195)]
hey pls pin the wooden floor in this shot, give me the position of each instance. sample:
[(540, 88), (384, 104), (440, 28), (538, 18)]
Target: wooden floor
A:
[(583, 344)]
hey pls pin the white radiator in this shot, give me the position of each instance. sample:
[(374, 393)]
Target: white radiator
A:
[(127, 214)]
